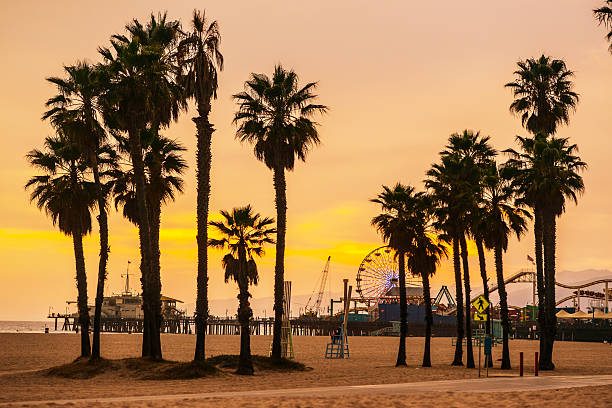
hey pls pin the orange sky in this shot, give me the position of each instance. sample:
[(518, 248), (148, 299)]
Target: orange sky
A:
[(399, 77)]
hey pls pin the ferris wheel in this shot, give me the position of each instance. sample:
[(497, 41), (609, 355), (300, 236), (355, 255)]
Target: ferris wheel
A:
[(378, 273)]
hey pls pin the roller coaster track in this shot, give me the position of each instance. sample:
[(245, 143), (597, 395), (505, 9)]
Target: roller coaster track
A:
[(530, 276)]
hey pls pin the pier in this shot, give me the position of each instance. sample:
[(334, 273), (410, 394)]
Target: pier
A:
[(186, 325)]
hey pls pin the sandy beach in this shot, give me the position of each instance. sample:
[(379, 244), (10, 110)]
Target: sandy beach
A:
[(23, 356)]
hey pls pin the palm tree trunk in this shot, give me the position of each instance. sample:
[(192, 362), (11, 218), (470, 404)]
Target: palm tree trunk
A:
[(155, 224), (503, 305), (204, 160), (245, 363), (458, 360), (485, 287), (401, 352), (104, 249), (468, 318), (280, 188), (428, 319), (151, 346), (550, 230), (81, 278), (538, 232)]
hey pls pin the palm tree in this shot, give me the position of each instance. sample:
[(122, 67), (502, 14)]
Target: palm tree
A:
[(524, 170), (164, 166), (545, 175), (444, 186), (274, 115), (202, 61), (604, 17), (395, 224), (424, 257), (457, 181), (543, 93), (75, 108), (142, 90), (244, 235), (67, 197), (502, 217)]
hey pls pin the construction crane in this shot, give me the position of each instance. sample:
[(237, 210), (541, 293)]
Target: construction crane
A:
[(313, 311)]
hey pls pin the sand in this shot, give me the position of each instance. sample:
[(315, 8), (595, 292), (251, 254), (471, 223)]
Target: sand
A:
[(371, 362)]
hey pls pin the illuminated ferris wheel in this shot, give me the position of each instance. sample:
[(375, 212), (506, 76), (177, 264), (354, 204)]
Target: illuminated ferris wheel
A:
[(378, 273)]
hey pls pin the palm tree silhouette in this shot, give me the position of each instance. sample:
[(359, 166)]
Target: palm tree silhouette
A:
[(395, 225), (141, 89), (202, 60), (424, 257), (604, 17), (164, 165), (75, 108), (244, 234), (543, 93), (443, 183), (456, 184), (68, 198), (502, 216), (545, 175), (274, 115)]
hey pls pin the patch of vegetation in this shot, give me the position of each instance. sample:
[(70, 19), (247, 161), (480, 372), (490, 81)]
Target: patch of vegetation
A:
[(260, 363), (141, 368), (183, 371), (81, 368)]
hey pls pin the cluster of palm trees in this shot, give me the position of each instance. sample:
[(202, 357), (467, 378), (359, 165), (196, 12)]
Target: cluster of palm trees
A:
[(108, 147), (108, 118), (470, 196)]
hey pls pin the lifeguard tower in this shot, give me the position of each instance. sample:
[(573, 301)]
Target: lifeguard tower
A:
[(339, 348)]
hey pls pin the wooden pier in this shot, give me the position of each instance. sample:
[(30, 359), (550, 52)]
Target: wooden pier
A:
[(186, 325)]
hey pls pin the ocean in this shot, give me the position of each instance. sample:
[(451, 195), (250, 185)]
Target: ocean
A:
[(28, 326)]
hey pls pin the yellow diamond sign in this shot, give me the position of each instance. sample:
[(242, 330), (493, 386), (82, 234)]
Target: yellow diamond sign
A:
[(480, 317), (481, 304)]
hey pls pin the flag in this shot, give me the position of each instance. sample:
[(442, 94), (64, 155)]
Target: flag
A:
[(530, 259)]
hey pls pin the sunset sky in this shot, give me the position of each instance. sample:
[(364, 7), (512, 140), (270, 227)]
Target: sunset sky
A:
[(398, 76)]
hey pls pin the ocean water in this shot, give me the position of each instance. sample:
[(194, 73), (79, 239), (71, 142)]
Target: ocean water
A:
[(28, 326)]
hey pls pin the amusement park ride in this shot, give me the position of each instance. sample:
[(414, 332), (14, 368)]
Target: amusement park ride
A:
[(378, 283), (378, 276)]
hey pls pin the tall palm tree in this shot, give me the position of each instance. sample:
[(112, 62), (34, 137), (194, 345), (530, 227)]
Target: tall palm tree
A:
[(75, 108), (604, 17), (443, 184), (457, 181), (543, 93), (141, 90), (424, 257), (244, 235), (68, 198), (164, 166), (396, 224), (545, 174), (202, 60), (524, 169), (275, 116), (502, 217)]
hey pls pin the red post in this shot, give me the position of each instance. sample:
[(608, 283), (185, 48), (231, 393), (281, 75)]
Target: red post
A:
[(536, 364), (521, 365)]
